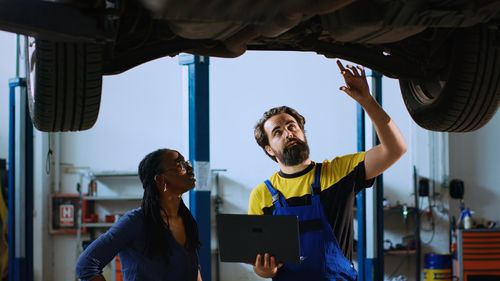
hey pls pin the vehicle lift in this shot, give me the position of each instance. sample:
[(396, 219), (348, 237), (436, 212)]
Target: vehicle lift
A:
[(370, 246), (20, 183), (199, 153)]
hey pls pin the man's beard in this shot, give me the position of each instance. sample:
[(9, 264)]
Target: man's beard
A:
[(294, 155)]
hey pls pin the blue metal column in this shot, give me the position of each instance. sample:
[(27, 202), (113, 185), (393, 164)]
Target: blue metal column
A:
[(20, 192), (378, 260), (370, 268), (199, 153), (361, 201)]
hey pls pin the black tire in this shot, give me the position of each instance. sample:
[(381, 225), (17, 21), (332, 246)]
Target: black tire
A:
[(66, 85), (470, 96)]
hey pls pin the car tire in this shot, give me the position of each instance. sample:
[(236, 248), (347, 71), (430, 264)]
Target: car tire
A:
[(65, 85), (470, 96)]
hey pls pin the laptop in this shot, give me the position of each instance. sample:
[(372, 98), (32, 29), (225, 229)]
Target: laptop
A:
[(242, 237)]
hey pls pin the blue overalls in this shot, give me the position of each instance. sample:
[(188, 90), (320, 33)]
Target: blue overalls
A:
[(322, 258)]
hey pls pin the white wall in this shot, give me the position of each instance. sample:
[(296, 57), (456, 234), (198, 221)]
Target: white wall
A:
[(242, 89), (140, 112), (398, 183), (7, 71), (474, 159)]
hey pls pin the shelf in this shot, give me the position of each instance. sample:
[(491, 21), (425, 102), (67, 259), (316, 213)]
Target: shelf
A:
[(111, 174), (399, 209), (112, 198), (98, 224), (400, 252), (394, 209), (396, 252)]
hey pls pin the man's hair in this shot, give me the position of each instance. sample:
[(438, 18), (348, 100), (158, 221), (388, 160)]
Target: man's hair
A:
[(259, 132)]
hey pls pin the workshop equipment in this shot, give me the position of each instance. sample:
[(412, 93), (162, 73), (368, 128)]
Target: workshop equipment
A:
[(437, 267)]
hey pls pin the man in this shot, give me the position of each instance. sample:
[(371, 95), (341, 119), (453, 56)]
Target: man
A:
[(321, 195)]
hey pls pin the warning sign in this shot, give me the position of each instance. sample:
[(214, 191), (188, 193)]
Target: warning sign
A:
[(64, 210), (66, 215)]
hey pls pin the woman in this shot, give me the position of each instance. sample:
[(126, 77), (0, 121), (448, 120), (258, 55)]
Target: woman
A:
[(158, 241)]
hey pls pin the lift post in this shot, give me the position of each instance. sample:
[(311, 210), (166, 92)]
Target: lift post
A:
[(370, 245), (378, 192), (199, 152), (361, 200), (20, 186)]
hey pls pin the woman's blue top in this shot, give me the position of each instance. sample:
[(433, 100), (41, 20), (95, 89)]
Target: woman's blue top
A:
[(127, 238)]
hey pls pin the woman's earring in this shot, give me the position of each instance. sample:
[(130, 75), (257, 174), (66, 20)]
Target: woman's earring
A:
[(165, 188)]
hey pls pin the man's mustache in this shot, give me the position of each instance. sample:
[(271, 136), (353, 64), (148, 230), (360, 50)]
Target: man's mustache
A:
[(294, 140)]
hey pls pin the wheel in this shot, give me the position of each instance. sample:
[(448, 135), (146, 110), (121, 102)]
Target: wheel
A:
[(64, 85), (470, 96)]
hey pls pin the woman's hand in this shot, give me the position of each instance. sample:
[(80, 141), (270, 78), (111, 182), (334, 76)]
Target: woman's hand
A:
[(266, 266), (97, 278)]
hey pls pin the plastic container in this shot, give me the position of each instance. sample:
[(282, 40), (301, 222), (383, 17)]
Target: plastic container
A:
[(467, 219), (437, 267)]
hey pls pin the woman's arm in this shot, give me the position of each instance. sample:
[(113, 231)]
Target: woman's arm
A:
[(100, 252)]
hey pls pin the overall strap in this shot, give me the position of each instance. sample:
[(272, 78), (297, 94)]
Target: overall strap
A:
[(278, 199), (316, 185)]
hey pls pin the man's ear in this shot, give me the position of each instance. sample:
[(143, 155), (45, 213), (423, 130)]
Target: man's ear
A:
[(269, 150)]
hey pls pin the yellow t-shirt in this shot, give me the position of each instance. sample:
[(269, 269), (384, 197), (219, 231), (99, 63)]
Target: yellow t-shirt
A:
[(341, 178)]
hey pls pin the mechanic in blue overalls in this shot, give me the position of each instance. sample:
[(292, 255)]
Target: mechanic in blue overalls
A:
[(321, 195)]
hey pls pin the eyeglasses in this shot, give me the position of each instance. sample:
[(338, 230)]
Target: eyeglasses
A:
[(182, 167)]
